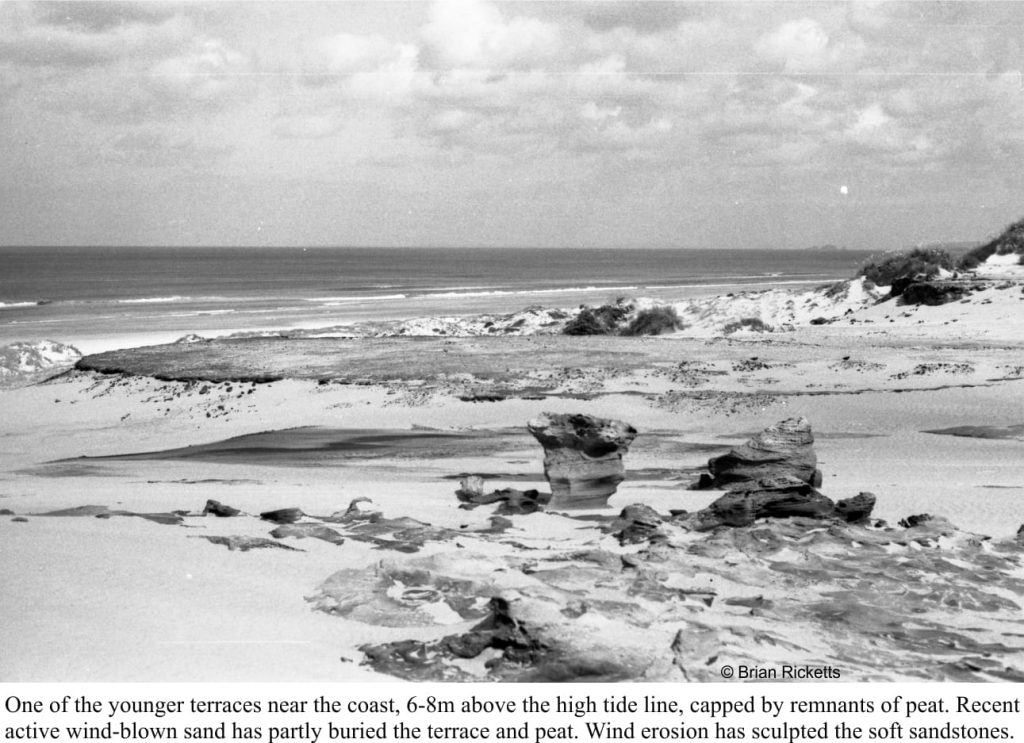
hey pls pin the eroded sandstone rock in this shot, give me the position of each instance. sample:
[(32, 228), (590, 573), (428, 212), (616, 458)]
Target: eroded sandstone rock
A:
[(283, 515), (582, 457), (219, 509), (783, 449), (689, 603), (777, 497), (639, 523), (310, 531), (510, 501), (103, 512), (245, 543), (856, 509)]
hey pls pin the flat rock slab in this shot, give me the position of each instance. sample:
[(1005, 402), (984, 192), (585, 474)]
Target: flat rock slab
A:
[(379, 359), (1015, 432)]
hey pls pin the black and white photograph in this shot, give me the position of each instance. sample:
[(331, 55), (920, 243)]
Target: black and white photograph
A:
[(374, 341)]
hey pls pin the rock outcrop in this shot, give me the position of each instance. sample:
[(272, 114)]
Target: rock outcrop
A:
[(773, 475), (777, 497), (682, 605), (639, 523), (783, 449), (175, 518), (582, 457), (857, 509), (511, 501), (217, 508), (245, 543), (282, 515), (308, 531)]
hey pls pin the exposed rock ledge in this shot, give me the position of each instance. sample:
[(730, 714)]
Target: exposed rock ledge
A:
[(921, 602)]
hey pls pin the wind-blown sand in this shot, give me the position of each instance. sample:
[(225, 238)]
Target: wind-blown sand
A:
[(398, 419)]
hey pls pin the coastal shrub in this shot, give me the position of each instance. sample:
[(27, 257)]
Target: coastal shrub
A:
[(889, 267), (1011, 241), (748, 323), (601, 320), (654, 321)]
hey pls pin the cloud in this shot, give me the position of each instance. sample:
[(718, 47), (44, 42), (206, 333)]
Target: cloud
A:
[(475, 34), (79, 35), (557, 93), (207, 73), (797, 45), (642, 15), (346, 53)]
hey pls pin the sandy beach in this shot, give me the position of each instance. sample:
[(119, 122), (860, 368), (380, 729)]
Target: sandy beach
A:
[(110, 465)]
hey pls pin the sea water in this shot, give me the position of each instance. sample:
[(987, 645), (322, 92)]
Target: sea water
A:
[(114, 296)]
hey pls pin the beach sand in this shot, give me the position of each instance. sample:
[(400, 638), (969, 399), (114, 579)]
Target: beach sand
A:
[(316, 423)]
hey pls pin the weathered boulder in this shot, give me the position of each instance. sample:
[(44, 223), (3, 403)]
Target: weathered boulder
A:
[(511, 501), (283, 515), (771, 497), (219, 509), (582, 457), (311, 531), (917, 519), (636, 524), (783, 449), (856, 509), (359, 510)]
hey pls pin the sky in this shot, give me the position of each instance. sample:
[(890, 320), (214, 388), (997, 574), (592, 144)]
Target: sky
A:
[(591, 123)]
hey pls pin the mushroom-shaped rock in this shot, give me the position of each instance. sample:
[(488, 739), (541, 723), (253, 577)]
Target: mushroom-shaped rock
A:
[(582, 457), (783, 449)]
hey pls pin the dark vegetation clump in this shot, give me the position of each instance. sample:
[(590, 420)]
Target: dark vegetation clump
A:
[(887, 268), (750, 323), (603, 320), (1011, 241), (654, 321)]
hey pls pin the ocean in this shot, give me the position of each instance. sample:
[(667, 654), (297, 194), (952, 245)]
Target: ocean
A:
[(102, 297)]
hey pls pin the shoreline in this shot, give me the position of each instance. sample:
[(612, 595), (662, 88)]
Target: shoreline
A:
[(165, 322)]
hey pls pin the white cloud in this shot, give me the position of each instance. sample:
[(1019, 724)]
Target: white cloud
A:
[(474, 33), (207, 73), (869, 121), (592, 112), (29, 37), (798, 45), (347, 53)]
